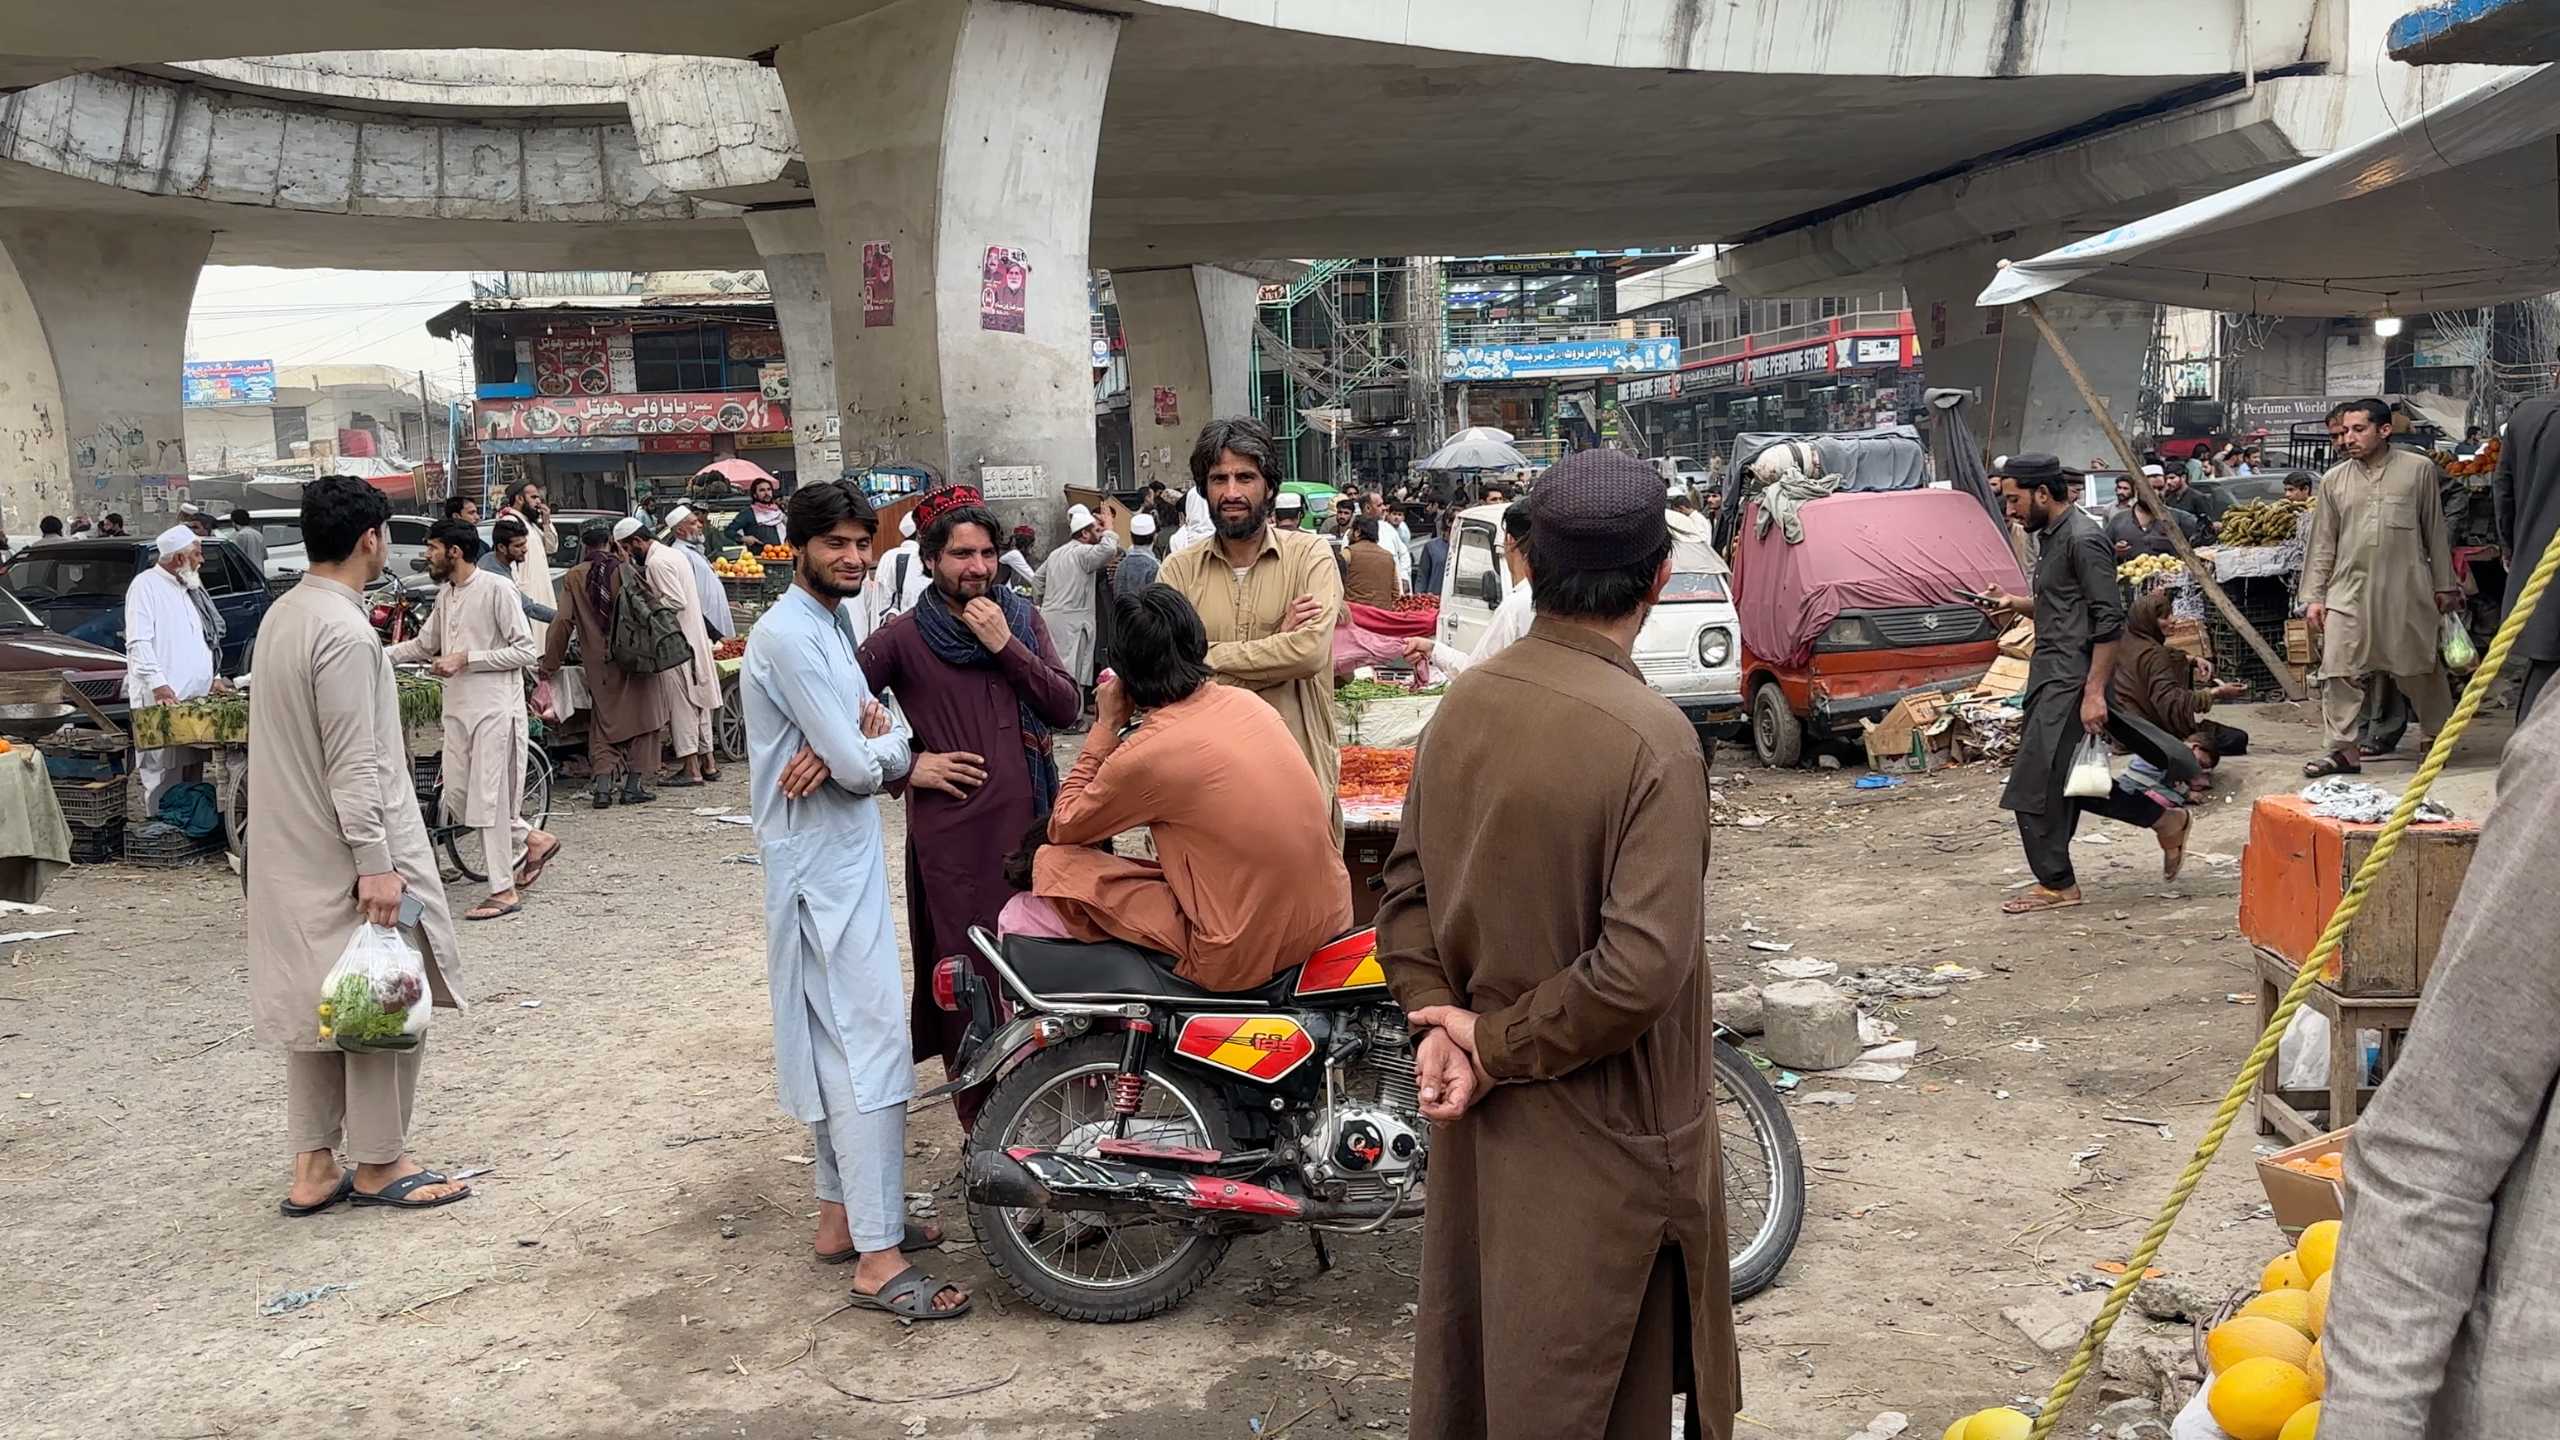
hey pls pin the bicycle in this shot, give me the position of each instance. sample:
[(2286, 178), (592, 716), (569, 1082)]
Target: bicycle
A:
[(461, 843)]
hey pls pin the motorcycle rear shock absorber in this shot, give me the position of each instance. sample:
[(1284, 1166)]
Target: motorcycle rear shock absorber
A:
[(1129, 1087)]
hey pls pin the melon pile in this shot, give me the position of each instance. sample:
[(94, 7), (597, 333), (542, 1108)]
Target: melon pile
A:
[(2267, 1371)]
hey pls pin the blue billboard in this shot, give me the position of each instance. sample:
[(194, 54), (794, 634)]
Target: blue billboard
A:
[(229, 382), (1557, 359)]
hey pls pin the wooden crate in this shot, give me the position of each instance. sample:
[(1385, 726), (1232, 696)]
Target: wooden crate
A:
[(2297, 642), (2301, 1115), (2296, 866)]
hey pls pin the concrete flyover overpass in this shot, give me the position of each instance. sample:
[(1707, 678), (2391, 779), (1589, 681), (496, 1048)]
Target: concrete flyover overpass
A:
[(1148, 138)]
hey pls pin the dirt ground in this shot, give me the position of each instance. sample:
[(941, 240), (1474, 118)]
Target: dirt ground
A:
[(637, 1259)]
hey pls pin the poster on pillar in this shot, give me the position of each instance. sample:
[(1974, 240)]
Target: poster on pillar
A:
[(1004, 285), (1168, 406), (879, 285)]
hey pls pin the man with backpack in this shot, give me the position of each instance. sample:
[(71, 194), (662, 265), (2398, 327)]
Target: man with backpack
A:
[(627, 716), (661, 589)]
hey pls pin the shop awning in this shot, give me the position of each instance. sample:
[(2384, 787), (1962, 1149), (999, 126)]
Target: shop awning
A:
[(2456, 207)]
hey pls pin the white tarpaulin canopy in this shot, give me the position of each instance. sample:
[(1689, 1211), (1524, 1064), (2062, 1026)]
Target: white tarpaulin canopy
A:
[(2456, 207)]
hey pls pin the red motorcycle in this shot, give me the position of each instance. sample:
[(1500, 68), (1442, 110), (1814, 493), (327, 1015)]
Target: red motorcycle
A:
[(1139, 1124)]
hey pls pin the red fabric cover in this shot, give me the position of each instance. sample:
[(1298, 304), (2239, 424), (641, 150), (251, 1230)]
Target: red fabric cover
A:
[(1395, 622), (1863, 551)]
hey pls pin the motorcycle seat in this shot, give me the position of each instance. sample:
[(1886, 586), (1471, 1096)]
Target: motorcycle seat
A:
[(1063, 968)]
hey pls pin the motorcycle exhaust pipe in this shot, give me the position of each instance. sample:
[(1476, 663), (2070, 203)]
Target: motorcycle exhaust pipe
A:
[(1032, 1179), (996, 1178)]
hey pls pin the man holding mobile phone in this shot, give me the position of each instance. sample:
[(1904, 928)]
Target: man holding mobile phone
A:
[(339, 842)]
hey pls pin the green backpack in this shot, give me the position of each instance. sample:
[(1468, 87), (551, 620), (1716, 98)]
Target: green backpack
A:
[(648, 631)]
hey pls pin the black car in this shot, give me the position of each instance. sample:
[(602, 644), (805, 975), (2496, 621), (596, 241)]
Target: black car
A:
[(77, 588)]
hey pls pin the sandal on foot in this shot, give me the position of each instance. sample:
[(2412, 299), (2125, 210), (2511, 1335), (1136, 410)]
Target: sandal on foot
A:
[(2336, 762), (532, 868), (2038, 899), (677, 781), (909, 1296), (346, 1187), (489, 910), (914, 1239), (2174, 855), (396, 1194)]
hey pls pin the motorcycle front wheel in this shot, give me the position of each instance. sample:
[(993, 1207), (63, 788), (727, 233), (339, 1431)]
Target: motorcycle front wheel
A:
[(1082, 1265), (1763, 1174)]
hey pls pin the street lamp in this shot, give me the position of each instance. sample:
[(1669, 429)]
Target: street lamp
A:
[(2386, 326)]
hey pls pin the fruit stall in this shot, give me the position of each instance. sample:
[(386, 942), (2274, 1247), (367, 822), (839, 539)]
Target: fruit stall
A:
[(1371, 789)]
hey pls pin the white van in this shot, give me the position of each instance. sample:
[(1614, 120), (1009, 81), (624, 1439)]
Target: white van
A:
[(1690, 648)]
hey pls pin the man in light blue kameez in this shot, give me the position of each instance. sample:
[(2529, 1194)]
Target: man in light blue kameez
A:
[(820, 751)]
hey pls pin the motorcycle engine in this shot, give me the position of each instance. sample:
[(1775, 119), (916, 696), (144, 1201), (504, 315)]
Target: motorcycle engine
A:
[(1362, 1144)]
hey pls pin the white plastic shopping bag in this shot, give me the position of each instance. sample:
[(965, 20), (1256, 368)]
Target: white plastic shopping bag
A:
[(2090, 777), (2460, 655), (375, 997)]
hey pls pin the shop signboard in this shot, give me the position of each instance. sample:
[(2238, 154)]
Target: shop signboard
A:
[(562, 445), (1856, 350), (228, 382), (671, 414), (1649, 387), (765, 440), (1812, 359), (1526, 265), (1560, 358), (2278, 414), (675, 444), (571, 365)]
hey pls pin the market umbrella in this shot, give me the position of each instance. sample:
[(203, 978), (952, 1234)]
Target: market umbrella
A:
[(740, 473), (1464, 453), (1485, 432)]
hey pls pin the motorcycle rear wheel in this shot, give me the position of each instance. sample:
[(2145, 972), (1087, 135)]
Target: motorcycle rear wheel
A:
[(1063, 1093)]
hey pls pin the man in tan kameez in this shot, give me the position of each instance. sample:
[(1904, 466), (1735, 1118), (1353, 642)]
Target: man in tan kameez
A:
[(1543, 924), (480, 646), (693, 688), (334, 840), (1269, 597), (627, 714), (2378, 574)]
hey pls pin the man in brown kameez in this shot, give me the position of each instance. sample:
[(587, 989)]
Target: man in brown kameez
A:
[(1543, 922), (627, 726)]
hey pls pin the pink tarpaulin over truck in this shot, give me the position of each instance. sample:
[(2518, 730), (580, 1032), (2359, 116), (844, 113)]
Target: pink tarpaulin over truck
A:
[(1870, 550)]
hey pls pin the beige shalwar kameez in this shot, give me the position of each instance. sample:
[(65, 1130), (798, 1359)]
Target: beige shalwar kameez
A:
[(330, 799), (1290, 670), (2378, 557), (693, 688), (485, 734)]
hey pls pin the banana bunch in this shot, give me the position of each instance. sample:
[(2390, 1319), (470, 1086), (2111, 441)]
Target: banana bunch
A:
[(2267, 522), (2142, 568)]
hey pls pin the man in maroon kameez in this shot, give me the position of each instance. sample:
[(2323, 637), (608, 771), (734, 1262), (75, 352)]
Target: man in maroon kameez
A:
[(972, 667)]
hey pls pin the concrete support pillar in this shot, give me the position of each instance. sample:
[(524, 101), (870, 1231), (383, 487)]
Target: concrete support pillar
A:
[(960, 135), (1190, 334), (2028, 403), (795, 271), (93, 330)]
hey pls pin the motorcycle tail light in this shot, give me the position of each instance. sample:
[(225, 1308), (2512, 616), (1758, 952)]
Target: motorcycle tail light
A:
[(946, 982)]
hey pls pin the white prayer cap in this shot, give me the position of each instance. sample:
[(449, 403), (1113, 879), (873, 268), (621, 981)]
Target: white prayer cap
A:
[(1142, 526), (679, 515), (175, 539), (907, 525), (1291, 500), (2154, 471), (625, 528), (1078, 518)]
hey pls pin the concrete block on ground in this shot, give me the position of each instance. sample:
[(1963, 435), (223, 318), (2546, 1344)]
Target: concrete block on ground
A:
[(1808, 1025), (1740, 1010), (2056, 1322)]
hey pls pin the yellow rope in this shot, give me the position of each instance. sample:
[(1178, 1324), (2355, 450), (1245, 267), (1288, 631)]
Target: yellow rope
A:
[(2384, 846)]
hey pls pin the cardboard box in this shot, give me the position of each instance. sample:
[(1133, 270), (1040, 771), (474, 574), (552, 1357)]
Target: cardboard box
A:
[(2007, 676), (2300, 1200), (1913, 737), (2296, 865), (2188, 637)]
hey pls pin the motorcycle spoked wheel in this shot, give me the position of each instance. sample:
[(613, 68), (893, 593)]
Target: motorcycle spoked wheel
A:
[(1082, 1265)]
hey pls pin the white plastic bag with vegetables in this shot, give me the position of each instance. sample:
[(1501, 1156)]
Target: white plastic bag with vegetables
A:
[(2460, 655), (375, 997)]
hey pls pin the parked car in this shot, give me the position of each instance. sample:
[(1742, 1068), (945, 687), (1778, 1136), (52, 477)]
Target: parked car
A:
[(286, 558), (27, 647), (1689, 649), (1863, 611), (77, 588)]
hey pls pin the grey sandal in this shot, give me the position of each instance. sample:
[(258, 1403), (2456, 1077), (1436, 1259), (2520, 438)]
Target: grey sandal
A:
[(909, 1296), (914, 1239)]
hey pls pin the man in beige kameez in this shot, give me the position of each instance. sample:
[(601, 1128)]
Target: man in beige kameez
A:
[(480, 645), (693, 688), (2378, 574), (334, 840), (1269, 597)]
